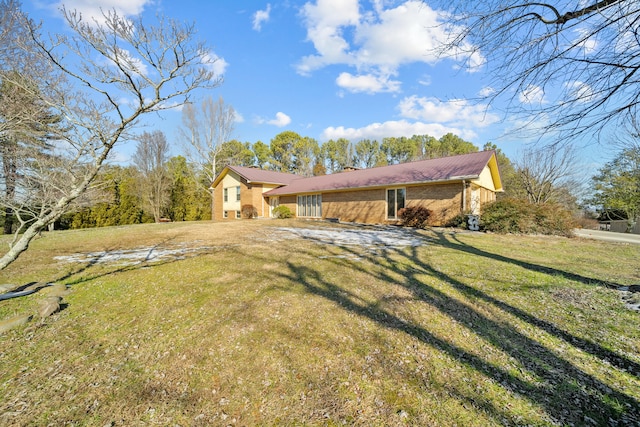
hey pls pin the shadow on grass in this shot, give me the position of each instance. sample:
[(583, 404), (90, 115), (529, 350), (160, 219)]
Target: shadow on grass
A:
[(583, 344), (567, 393)]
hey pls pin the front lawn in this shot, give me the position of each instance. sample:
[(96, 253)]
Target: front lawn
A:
[(300, 323)]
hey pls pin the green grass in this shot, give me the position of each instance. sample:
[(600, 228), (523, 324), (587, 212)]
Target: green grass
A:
[(253, 328)]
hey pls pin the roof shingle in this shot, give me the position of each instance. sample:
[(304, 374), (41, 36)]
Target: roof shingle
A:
[(431, 170), (262, 176)]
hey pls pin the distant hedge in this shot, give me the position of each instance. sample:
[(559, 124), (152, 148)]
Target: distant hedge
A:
[(521, 217)]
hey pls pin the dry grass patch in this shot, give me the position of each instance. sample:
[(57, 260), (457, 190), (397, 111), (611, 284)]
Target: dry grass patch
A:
[(257, 329)]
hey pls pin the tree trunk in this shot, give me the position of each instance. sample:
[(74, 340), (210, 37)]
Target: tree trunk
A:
[(22, 244), (8, 221)]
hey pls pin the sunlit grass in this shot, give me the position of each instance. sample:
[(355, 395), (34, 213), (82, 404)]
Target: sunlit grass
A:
[(254, 329)]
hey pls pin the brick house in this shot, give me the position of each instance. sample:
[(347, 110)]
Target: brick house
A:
[(448, 186)]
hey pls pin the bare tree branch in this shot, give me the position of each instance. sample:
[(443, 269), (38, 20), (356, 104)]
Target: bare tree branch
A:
[(87, 76), (582, 64), (204, 129)]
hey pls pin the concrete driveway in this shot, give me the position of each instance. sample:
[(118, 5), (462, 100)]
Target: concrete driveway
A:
[(609, 236)]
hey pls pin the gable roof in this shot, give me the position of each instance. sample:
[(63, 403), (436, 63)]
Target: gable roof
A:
[(257, 175), (464, 166)]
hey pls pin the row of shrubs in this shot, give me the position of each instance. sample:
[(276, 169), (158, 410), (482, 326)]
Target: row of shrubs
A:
[(503, 216), (508, 215)]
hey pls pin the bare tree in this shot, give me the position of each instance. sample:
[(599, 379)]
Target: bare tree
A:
[(547, 174), (204, 129), (150, 158), (87, 75), (570, 66)]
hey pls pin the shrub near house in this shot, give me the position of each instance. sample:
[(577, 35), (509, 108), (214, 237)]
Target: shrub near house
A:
[(521, 217)]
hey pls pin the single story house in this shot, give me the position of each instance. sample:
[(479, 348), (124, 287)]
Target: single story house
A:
[(448, 186)]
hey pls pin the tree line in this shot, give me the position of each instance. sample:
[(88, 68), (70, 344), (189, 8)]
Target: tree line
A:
[(156, 187), (292, 153)]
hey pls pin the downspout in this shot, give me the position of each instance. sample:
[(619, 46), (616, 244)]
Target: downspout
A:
[(464, 196)]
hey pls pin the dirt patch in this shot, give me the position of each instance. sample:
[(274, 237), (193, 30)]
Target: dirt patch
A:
[(135, 256), (366, 238)]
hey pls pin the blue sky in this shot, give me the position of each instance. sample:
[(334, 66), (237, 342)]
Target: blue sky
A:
[(326, 69)]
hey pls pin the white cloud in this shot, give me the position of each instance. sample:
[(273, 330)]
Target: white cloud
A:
[(579, 91), (394, 128), (404, 34), (325, 23), (367, 83), (423, 116), (587, 44), (457, 112), (425, 80), (532, 95), (486, 91), (380, 40), (261, 16), (92, 9), (131, 63), (215, 63), (280, 120), (237, 117)]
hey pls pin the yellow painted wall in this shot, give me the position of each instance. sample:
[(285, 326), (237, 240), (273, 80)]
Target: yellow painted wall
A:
[(485, 180), (230, 182)]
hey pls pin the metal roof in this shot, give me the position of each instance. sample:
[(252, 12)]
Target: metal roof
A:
[(257, 175), (464, 166)]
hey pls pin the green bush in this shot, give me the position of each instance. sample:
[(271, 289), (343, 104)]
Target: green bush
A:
[(414, 216), (282, 212), (521, 217)]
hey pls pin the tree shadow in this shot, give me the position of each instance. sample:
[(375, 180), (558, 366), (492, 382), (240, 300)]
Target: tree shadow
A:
[(568, 393), (586, 345)]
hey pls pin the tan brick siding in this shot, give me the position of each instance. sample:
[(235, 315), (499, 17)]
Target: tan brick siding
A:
[(251, 194), (217, 203), (370, 206), (444, 200), (366, 206)]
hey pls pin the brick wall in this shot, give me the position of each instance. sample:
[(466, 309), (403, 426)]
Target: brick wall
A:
[(217, 203), (444, 200), (365, 206), (370, 206), (251, 194)]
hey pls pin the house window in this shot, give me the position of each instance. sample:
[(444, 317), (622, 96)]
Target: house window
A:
[(238, 193), (225, 214), (310, 205), (395, 201), (238, 214), (226, 194)]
